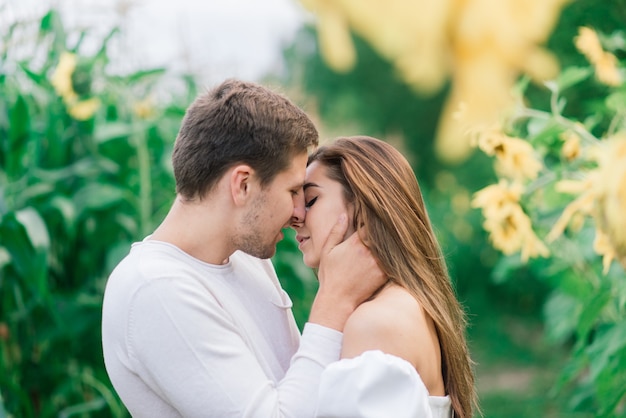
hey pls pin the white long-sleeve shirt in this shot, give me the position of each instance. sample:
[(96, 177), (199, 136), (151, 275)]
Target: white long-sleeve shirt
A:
[(185, 338)]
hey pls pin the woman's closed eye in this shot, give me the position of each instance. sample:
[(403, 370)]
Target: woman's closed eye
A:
[(310, 203)]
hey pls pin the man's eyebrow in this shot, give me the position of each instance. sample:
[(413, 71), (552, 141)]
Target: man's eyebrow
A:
[(307, 185)]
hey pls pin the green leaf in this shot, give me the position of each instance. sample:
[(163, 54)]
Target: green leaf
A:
[(140, 75), (536, 126), (574, 284), (15, 240), (116, 254), (611, 384), (572, 76), (65, 207), (547, 135), (607, 356), (112, 130), (35, 228), (25, 237), (561, 313), (98, 196), (520, 87), (505, 268), (127, 223), (5, 258), (81, 38), (102, 53), (617, 101), (605, 345), (19, 128), (48, 21), (39, 79), (570, 370), (3, 412), (52, 24), (83, 168), (552, 86), (34, 191), (6, 39), (592, 309)]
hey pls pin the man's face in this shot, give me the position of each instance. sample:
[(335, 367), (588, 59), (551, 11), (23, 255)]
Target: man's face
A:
[(272, 209)]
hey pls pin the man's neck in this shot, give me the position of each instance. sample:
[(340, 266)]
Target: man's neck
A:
[(198, 228)]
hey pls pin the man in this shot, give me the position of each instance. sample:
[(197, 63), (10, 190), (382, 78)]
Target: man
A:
[(195, 322)]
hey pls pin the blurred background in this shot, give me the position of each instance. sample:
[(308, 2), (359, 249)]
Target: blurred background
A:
[(512, 113)]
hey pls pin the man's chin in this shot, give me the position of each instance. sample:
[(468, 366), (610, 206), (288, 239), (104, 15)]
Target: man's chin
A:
[(262, 253), (267, 254)]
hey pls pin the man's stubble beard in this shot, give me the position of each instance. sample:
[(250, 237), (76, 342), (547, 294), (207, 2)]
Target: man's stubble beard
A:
[(250, 239)]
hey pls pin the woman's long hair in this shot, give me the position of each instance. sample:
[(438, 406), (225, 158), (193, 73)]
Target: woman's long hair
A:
[(392, 221)]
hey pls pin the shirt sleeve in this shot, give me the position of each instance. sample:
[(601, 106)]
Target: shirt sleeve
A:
[(372, 385), (189, 351)]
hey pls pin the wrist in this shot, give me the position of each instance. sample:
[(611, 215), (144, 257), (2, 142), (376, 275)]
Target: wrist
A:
[(331, 312)]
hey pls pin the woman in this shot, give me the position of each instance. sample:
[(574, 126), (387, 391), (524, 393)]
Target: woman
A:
[(404, 351)]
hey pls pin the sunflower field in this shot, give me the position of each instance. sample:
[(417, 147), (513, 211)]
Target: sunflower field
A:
[(512, 113)]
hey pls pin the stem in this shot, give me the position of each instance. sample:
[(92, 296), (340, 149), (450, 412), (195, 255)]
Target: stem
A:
[(541, 182), (82, 408), (566, 123), (107, 394), (145, 182), (613, 127), (554, 102)]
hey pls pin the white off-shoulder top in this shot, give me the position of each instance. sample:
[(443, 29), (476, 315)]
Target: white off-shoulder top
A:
[(377, 385)]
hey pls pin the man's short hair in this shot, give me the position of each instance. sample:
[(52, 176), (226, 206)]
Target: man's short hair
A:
[(238, 122)]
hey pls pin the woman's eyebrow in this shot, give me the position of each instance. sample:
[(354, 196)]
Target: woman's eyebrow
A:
[(307, 185)]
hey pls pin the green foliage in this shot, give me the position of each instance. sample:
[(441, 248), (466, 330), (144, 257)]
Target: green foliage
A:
[(75, 191), (586, 307), (298, 280), (580, 311)]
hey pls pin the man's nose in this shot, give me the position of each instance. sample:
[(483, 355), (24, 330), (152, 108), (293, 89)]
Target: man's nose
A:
[(299, 210)]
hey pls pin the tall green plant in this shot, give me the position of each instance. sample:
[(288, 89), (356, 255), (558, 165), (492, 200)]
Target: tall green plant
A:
[(84, 171), (561, 198)]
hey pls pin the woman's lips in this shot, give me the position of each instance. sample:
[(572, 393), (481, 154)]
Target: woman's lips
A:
[(301, 240)]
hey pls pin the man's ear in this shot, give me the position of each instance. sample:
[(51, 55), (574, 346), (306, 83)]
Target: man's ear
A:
[(241, 177)]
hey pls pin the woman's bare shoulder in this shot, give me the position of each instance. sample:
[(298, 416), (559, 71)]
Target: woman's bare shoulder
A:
[(390, 323)]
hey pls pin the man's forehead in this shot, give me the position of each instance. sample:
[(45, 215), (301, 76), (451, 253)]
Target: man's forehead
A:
[(294, 175)]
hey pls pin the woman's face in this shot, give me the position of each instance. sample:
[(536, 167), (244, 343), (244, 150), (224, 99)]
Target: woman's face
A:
[(324, 202)]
